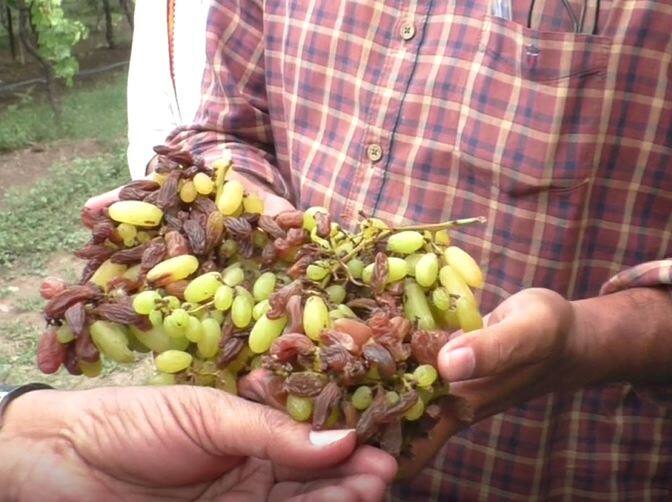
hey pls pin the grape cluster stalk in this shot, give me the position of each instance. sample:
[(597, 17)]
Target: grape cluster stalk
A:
[(339, 329)]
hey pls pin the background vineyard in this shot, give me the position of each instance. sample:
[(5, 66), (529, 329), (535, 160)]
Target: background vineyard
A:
[(49, 166)]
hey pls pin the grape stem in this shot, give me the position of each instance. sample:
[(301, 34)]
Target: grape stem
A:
[(441, 226)]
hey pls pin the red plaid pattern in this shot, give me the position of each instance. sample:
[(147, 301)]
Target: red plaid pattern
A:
[(562, 140)]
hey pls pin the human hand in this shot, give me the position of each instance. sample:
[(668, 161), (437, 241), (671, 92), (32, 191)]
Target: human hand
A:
[(182, 442)]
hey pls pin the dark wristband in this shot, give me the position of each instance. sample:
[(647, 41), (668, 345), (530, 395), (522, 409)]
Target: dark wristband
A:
[(9, 393)]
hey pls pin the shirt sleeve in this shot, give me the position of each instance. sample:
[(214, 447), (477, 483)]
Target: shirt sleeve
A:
[(233, 113), (649, 274)]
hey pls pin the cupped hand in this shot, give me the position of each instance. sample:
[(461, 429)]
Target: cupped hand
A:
[(182, 442)]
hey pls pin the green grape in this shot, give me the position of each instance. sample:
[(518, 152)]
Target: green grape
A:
[(208, 345), (64, 334), (442, 237), (217, 315), (175, 324), (156, 318), (194, 331), (155, 339), (260, 309), (425, 375), (309, 217), (344, 248), (227, 382), (174, 269), (367, 273), (241, 310), (454, 284), (203, 184), (335, 314), (467, 314), (223, 297), (315, 317), (356, 267), (336, 293), (405, 242), (427, 270), (106, 272), (234, 275), (416, 307), (392, 397), (412, 261), (90, 370), (111, 340), (441, 299), (465, 265), (256, 362), (264, 332), (426, 394), (373, 373), (299, 408), (127, 232), (397, 269), (162, 379), (264, 286), (259, 238), (132, 273), (346, 311), (415, 411), (362, 397), (143, 237), (317, 271), (173, 302), (143, 303), (202, 288), (173, 361), (228, 248)]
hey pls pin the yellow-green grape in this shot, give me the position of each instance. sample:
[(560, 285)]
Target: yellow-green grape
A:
[(346, 311), (203, 184), (194, 332), (454, 283), (127, 233), (111, 340), (241, 310), (450, 319), (467, 314), (264, 332), (230, 197), (336, 293), (309, 217), (426, 394), (228, 248), (315, 317), (143, 237), (335, 314), (106, 272), (362, 397), (356, 267), (397, 269), (223, 298), (133, 273), (367, 273), (173, 361), (299, 408), (156, 318), (405, 242), (176, 268), (264, 286), (416, 307), (392, 397), (412, 261), (90, 370), (256, 362), (259, 238), (202, 288), (227, 382), (135, 212), (260, 309), (442, 237), (208, 345), (233, 275), (441, 299), (425, 375), (221, 167), (64, 334), (162, 379), (373, 373), (344, 248), (173, 302), (188, 192), (144, 302), (253, 204), (415, 411), (175, 324), (155, 339), (427, 270), (465, 265), (333, 418), (317, 271)]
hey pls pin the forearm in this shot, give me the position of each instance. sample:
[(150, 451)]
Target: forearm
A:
[(626, 336)]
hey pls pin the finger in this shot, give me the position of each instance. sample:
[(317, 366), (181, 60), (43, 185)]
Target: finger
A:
[(365, 460), (489, 351), (99, 202), (361, 487), (274, 205)]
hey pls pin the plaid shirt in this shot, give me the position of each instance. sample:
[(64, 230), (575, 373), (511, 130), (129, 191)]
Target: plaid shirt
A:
[(426, 110)]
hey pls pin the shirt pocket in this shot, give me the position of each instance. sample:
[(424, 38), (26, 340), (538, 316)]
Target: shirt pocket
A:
[(533, 106)]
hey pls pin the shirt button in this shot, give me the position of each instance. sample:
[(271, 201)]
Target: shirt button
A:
[(374, 152), (407, 30)]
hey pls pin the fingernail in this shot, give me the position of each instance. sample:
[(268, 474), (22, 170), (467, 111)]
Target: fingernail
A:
[(323, 438), (459, 364)]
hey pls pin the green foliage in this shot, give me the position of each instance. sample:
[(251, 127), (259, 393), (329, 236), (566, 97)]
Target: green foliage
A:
[(41, 220), (57, 35), (89, 112)]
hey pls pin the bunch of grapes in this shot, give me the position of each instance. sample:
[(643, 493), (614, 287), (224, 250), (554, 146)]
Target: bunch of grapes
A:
[(339, 329)]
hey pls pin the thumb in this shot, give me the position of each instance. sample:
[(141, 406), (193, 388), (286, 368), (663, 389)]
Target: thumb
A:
[(489, 351)]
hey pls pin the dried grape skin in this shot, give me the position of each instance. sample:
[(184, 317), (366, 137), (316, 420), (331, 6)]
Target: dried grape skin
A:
[(286, 347), (50, 352), (425, 345), (305, 383), (329, 398)]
